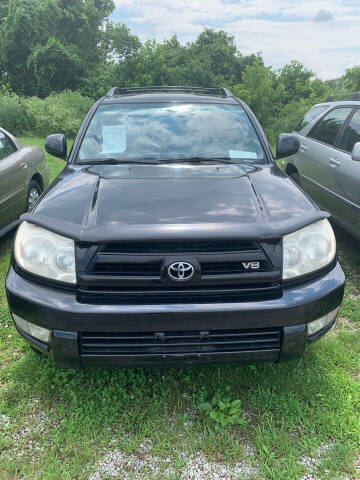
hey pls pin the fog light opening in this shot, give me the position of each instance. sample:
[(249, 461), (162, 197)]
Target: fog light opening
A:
[(322, 322), (40, 333)]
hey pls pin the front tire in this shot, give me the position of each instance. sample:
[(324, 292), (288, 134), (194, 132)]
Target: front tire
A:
[(34, 193)]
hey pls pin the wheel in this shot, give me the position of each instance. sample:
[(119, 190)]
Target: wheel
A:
[(296, 178), (33, 194)]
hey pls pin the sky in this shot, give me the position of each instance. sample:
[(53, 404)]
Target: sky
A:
[(323, 34)]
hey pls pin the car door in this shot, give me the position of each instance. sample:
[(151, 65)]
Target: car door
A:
[(317, 156), (346, 175), (13, 181)]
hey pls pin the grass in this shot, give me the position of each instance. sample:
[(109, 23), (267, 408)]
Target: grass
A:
[(299, 418)]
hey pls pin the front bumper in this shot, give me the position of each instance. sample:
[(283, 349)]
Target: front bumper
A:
[(60, 312)]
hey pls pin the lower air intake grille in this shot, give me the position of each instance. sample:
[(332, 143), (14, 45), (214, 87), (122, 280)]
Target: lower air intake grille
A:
[(163, 343)]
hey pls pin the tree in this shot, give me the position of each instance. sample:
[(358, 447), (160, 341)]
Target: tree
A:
[(32, 49), (259, 89), (296, 80), (123, 44), (21, 30), (320, 89), (211, 60), (4, 6), (55, 66), (176, 58), (352, 79), (215, 60), (216, 51), (81, 22)]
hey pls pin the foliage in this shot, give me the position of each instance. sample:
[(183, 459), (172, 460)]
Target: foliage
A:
[(12, 114), (215, 59), (320, 90), (223, 412), (5, 88), (33, 51), (280, 99), (4, 5), (123, 43), (296, 80), (288, 118), (78, 43), (352, 79), (21, 30), (262, 93), (62, 112), (55, 67), (212, 59), (78, 48)]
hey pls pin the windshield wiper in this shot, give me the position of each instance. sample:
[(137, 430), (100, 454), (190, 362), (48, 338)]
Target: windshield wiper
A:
[(116, 161), (196, 160)]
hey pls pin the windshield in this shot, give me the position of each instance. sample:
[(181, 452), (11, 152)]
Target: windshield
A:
[(309, 116), (171, 132)]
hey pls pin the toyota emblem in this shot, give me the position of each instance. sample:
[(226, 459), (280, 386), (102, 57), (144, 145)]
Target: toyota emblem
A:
[(181, 271)]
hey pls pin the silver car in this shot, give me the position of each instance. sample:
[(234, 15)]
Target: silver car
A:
[(24, 174), (327, 165)]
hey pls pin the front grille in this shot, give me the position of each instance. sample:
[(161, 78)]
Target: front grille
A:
[(226, 268), (186, 246), (183, 342), (144, 269), (128, 269), (103, 295), (136, 272)]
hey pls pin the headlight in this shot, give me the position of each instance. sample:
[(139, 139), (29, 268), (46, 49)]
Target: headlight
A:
[(308, 249), (44, 253)]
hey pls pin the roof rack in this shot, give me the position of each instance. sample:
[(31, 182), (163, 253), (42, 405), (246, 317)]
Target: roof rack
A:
[(332, 97), (213, 91)]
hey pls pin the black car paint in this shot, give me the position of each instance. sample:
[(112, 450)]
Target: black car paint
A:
[(57, 145), (92, 207), (246, 205), (60, 310)]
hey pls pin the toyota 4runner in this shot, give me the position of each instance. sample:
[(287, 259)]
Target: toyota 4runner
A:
[(172, 237)]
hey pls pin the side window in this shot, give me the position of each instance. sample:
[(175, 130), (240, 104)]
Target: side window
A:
[(328, 128), (351, 133), (309, 116), (6, 146)]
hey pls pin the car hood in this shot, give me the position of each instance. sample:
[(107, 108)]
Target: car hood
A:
[(104, 203)]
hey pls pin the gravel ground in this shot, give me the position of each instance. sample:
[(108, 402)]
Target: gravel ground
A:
[(312, 463), (142, 465), (24, 440)]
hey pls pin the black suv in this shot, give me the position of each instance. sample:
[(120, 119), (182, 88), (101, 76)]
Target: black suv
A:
[(172, 237)]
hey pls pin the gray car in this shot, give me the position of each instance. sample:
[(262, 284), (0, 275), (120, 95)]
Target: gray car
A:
[(327, 165), (24, 174)]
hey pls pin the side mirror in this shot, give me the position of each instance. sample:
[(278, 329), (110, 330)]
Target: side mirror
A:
[(56, 145), (287, 144), (355, 155)]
